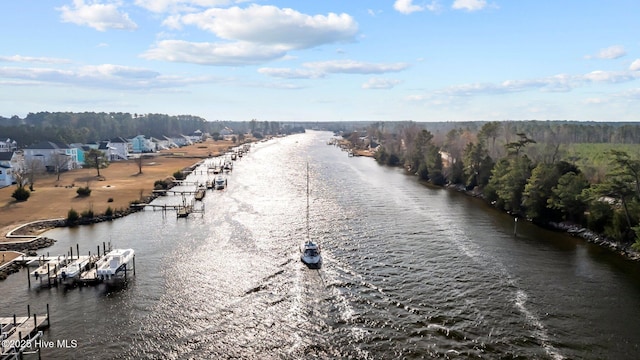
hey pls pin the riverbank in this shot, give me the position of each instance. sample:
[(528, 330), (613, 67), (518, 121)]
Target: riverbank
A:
[(120, 184), (572, 229)]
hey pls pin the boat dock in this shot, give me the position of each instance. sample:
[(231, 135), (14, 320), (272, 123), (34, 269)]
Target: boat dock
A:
[(21, 335), (78, 270)]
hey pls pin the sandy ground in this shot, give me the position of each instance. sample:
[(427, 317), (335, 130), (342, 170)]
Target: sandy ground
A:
[(121, 182)]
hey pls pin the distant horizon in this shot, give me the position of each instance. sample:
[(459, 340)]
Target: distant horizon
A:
[(338, 121), (282, 60)]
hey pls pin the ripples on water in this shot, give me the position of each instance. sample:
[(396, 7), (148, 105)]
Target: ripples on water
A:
[(409, 272)]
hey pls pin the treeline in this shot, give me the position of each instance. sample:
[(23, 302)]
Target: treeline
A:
[(523, 168), (69, 127)]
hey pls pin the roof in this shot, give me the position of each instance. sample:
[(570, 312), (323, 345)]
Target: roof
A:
[(118, 140), (6, 155), (48, 145)]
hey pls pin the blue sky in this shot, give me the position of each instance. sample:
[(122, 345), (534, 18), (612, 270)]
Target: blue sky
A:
[(432, 60)]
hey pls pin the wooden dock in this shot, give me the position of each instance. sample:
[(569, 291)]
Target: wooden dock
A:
[(20, 335)]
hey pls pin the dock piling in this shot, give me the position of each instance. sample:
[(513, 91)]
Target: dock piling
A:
[(28, 311)]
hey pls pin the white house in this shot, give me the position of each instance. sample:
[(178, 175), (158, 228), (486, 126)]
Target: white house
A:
[(181, 140), (196, 136), (8, 145), (120, 149), (48, 154), (10, 165)]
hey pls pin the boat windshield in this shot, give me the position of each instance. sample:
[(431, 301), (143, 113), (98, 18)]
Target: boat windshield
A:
[(311, 252)]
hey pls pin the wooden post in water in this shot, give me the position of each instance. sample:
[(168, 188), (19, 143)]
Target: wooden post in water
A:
[(14, 320), (48, 317), (134, 265), (28, 278), (98, 250), (71, 252), (28, 311), (104, 248), (77, 251), (48, 275), (35, 321)]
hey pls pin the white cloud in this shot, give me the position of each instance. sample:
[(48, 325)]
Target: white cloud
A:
[(100, 76), (556, 83), (595, 101), (610, 76), (238, 53), (161, 6), (378, 83), (321, 69), (406, 6), (254, 35), (469, 5), (286, 73), (635, 65), (612, 52), (272, 25), (355, 67), (98, 16), (29, 59)]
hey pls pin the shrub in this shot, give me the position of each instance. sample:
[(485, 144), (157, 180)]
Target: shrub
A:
[(179, 175), (72, 216), (110, 200), (109, 211), (87, 214), (83, 191), (21, 194)]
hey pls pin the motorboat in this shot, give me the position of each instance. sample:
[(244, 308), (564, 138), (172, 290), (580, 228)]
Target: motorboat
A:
[(46, 272), (220, 183), (68, 274), (115, 264)]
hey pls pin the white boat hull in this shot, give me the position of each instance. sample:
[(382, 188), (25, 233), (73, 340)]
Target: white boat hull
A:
[(115, 265)]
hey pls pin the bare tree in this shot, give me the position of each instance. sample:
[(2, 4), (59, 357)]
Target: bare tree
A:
[(139, 161), (32, 169), (59, 162)]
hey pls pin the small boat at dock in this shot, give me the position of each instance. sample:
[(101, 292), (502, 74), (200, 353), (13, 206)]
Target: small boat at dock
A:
[(69, 274), (46, 272), (113, 267)]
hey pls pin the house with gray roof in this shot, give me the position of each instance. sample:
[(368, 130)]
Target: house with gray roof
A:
[(48, 154)]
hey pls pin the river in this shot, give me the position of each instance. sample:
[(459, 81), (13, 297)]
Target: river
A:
[(409, 272)]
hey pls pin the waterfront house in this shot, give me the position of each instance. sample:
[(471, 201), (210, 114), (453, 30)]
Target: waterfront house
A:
[(10, 165), (140, 144), (181, 140), (196, 137), (119, 149), (52, 156), (8, 145)]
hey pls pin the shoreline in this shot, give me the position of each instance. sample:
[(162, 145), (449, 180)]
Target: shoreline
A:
[(24, 222)]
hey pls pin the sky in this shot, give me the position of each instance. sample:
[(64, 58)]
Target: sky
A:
[(329, 60)]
